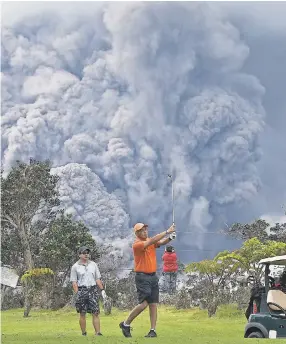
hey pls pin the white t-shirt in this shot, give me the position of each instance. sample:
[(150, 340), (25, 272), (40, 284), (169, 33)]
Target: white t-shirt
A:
[(85, 274)]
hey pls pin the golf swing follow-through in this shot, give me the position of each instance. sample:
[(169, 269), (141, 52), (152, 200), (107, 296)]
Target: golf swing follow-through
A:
[(145, 267), (146, 280)]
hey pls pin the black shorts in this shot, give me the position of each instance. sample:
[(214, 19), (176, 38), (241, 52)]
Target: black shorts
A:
[(147, 287), (87, 301)]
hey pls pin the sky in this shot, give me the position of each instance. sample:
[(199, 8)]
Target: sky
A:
[(119, 95)]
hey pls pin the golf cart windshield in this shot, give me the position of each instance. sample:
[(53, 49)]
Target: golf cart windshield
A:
[(278, 260), (275, 294), (272, 261)]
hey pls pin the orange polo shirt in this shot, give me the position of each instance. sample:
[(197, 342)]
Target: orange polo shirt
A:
[(144, 258)]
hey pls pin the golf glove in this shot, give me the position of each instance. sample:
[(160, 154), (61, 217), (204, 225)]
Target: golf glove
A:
[(103, 294), (172, 236)]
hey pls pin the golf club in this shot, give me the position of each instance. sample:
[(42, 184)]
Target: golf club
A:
[(173, 208)]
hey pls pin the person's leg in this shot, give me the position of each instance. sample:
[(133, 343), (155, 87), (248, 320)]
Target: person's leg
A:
[(153, 315), (81, 308), (164, 283), (135, 312), (143, 287), (96, 323), (175, 282), (125, 325), (93, 308), (82, 323), (153, 301)]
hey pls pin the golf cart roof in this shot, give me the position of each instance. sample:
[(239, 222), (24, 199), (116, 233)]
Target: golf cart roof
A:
[(278, 260)]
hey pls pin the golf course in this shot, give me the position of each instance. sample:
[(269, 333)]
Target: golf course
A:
[(174, 326)]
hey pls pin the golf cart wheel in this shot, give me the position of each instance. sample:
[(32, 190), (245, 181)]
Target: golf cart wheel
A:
[(255, 335)]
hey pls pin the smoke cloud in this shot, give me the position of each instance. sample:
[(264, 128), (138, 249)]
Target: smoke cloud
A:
[(121, 97)]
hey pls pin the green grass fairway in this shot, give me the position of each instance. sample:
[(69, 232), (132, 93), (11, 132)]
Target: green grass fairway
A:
[(174, 326)]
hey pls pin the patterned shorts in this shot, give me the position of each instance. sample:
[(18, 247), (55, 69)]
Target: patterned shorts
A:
[(87, 301)]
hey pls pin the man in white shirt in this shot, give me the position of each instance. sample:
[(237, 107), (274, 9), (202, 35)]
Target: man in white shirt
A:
[(85, 278)]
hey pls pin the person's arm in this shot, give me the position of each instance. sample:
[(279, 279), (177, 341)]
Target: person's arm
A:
[(101, 287), (100, 284), (155, 239), (73, 279), (98, 281), (163, 242), (166, 240), (75, 287)]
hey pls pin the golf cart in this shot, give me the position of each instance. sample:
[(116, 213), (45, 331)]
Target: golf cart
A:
[(269, 319)]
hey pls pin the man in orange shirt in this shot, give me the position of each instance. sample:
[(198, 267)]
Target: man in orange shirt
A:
[(144, 251)]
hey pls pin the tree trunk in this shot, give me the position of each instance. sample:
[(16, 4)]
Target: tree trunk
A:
[(27, 305), (29, 292), (29, 263), (212, 304), (212, 308), (3, 292), (28, 259)]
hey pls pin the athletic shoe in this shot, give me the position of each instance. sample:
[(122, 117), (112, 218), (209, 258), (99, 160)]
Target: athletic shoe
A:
[(125, 329), (151, 333)]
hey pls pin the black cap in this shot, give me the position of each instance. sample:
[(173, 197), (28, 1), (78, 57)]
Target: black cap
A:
[(169, 248), (82, 249)]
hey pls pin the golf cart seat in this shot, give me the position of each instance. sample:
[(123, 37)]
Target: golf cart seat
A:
[(276, 300)]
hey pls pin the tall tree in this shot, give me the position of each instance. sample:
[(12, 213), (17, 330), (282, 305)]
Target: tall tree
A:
[(28, 198), (27, 191)]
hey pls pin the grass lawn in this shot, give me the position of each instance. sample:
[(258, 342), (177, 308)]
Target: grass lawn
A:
[(174, 326)]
